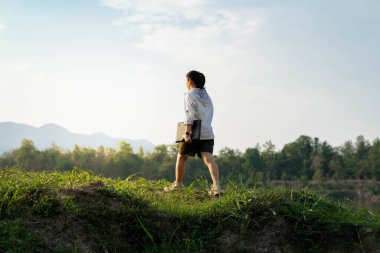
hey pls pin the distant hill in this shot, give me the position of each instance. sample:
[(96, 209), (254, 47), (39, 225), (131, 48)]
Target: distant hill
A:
[(11, 135)]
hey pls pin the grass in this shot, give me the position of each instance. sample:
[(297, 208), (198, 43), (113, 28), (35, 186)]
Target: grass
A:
[(79, 212)]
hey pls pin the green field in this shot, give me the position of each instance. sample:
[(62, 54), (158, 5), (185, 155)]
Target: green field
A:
[(79, 212)]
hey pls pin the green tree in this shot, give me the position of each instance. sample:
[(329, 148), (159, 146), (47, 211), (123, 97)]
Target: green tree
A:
[(337, 167), (362, 148), (7, 160), (349, 159), (161, 163), (27, 156), (49, 157), (84, 158), (327, 152), (270, 161), (374, 159), (141, 153), (126, 162), (296, 159), (100, 160), (318, 175), (253, 164), (230, 164)]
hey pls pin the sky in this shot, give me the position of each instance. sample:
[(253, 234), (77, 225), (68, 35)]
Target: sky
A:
[(274, 69)]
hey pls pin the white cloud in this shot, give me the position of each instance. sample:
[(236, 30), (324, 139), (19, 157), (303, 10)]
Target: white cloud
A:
[(188, 31), (146, 16), (152, 6)]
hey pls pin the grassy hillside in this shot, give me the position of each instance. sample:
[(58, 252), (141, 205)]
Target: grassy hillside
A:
[(79, 212)]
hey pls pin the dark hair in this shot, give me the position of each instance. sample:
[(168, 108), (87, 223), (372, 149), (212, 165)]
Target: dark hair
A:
[(198, 78)]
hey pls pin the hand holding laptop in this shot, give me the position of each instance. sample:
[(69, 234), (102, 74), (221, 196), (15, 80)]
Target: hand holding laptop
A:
[(195, 131)]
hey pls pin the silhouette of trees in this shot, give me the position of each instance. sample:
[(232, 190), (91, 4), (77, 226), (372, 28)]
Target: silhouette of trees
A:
[(303, 159)]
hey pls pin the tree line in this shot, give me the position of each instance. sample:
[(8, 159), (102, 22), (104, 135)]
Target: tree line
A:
[(305, 158)]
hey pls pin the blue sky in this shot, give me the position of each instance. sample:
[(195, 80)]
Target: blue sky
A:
[(275, 69)]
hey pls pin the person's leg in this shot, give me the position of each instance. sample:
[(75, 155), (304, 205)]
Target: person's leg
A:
[(212, 166), (179, 173), (180, 167)]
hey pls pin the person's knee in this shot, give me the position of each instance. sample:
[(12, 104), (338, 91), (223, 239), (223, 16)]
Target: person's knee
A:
[(207, 157), (183, 157)]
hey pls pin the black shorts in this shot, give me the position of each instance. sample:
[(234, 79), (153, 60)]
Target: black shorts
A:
[(196, 147)]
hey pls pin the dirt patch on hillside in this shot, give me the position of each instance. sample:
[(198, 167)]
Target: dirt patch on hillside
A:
[(80, 229), (279, 236), (103, 221), (273, 237), (66, 231)]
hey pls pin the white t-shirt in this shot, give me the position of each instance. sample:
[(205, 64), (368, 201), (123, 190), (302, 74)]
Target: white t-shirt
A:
[(198, 105)]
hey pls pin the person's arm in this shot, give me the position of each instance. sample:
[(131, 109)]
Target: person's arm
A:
[(189, 117), (187, 137)]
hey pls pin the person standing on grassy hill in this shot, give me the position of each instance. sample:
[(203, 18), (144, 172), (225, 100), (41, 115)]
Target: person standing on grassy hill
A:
[(198, 106)]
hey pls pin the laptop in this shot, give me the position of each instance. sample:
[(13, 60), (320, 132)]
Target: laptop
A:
[(195, 129)]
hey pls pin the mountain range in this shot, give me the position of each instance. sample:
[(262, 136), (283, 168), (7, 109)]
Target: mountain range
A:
[(11, 135)]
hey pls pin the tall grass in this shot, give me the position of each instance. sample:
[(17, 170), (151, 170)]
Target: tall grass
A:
[(136, 215)]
